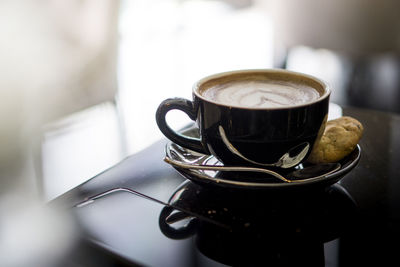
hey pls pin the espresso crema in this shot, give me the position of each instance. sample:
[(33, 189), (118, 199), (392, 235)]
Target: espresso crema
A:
[(261, 93)]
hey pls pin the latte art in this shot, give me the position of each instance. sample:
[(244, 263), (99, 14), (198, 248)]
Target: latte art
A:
[(261, 94)]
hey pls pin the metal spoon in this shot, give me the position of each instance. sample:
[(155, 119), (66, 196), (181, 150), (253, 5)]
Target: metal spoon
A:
[(312, 172)]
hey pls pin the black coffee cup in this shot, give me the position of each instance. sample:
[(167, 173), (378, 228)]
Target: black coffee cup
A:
[(267, 118)]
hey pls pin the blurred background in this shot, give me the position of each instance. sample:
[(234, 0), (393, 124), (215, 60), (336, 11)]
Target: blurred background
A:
[(80, 81)]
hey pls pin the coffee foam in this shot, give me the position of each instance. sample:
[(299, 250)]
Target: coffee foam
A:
[(261, 93)]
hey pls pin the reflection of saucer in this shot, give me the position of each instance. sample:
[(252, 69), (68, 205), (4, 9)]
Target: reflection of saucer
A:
[(252, 228), (247, 180)]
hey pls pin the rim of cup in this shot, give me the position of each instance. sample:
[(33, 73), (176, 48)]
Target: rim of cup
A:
[(324, 85)]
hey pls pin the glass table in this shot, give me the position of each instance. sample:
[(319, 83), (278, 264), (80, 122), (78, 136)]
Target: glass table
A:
[(143, 212)]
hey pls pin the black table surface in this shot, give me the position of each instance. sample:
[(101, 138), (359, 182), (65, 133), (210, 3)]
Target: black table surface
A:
[(150, 215)]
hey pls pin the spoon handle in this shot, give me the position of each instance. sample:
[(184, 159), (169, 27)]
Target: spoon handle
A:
[(224, 168)]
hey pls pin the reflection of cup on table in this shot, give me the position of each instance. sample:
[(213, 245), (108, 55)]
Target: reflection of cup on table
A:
[(251, 228), (253, 117)]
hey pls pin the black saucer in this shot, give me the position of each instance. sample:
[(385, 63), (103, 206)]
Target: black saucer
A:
[(245, 180)]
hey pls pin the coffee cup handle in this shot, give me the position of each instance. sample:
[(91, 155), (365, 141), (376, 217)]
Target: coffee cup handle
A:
[(179, 139)]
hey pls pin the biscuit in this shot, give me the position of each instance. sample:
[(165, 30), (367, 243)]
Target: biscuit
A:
[(340, 138)]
